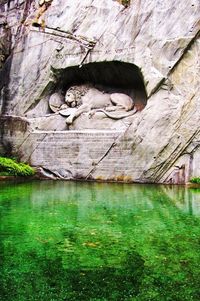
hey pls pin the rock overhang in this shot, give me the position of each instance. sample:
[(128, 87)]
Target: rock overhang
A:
[(108, 73)]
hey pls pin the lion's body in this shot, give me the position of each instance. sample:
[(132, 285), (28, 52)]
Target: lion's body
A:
[(89, 99)]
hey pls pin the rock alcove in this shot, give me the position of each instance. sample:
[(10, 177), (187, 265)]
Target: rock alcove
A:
[(99, 80)]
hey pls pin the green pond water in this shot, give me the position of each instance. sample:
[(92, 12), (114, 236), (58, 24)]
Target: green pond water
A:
[(92, 241)]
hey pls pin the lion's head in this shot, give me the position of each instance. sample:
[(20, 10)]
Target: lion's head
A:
[(74, 94)]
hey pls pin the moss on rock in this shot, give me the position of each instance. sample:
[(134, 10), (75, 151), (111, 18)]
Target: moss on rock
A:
[(13, 168)]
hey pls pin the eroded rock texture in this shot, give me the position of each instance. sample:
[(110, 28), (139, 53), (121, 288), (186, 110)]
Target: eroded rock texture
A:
[(149, 50)]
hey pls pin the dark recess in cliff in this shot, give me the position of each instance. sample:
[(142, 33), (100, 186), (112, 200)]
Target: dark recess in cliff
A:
[(114, 74), (109, 76)]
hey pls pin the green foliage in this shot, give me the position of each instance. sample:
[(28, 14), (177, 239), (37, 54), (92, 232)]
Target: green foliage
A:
[(195, 180), (4, 173), (126, 2), (12, 168)]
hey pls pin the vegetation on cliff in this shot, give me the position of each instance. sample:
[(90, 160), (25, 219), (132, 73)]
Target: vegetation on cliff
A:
[(11, 167), (124, 2), (195, 180)]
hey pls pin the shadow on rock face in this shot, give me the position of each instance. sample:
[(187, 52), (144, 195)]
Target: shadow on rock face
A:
[(111, 76)]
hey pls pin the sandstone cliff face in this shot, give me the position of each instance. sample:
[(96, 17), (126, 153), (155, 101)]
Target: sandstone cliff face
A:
[(149, 49)]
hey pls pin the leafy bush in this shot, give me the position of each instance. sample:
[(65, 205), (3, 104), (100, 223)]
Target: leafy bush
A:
[(195, 180), (4, 173), (126, 2), (13, 168)]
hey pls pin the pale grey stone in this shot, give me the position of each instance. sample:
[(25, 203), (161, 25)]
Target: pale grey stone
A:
[(56, 101), (95, 99), (67, 112), (157, 41)]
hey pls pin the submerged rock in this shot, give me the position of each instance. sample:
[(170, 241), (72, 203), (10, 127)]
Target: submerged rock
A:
[(148, 50)]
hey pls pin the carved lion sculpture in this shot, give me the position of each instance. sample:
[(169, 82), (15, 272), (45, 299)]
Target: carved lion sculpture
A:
[(74, 94), (88, 99)]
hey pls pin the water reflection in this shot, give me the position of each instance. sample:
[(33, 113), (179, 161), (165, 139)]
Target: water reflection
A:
[(187, 200), (88, 241)]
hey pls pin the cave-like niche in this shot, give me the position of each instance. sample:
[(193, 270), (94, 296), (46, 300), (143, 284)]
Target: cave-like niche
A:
[(107, 78)]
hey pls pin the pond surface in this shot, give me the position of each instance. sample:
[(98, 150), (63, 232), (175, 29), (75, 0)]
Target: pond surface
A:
[(90, 241)]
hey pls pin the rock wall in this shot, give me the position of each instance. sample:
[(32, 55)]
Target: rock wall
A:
[(49, 45)]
